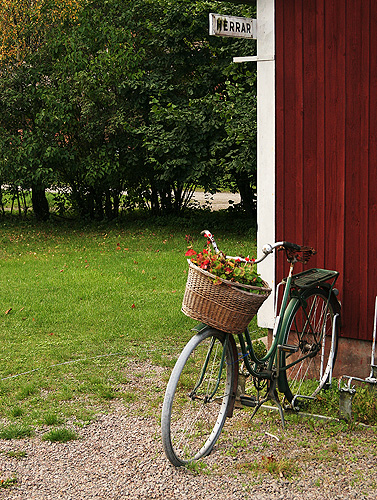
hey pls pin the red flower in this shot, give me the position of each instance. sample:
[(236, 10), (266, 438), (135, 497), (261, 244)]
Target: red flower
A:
[(204, 264), (190, 252)]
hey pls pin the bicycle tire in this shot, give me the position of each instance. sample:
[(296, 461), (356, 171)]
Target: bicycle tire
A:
[(190, 423), (310, 332)]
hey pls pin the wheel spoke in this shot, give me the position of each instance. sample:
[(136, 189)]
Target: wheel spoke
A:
[(310, 329)]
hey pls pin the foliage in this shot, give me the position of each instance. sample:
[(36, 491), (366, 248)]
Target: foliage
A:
[(364, 404), (122, 100), (23, 25), (26, 159)]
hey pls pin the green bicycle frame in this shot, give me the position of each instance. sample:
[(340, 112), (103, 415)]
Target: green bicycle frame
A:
[(247, 348), (287, 305)]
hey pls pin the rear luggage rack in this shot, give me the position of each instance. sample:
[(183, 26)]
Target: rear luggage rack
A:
[(312, 277)]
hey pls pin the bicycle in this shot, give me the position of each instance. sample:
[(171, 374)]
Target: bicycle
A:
[(204, 386)]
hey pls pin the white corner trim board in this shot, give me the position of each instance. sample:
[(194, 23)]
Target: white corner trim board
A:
[(266, 148)]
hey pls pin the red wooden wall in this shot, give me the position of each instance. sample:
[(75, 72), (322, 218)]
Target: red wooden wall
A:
[(326, 146)]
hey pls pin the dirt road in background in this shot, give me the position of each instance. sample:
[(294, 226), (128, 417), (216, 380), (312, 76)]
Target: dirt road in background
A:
[(218, 201)]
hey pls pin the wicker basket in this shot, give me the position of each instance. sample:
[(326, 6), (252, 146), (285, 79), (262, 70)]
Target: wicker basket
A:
[(227, 307)]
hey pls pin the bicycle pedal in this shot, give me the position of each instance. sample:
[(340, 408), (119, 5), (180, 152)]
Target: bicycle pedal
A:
[(288, 348), (250, 401)]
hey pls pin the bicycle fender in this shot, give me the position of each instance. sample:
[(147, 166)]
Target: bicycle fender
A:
[(200, 327), (232, 401), (335, 303)]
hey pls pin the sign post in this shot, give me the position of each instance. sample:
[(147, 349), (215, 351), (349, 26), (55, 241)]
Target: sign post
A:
[(239, 27)]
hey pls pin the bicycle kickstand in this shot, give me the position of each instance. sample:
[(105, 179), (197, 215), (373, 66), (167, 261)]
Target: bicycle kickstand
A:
[(271, 395)]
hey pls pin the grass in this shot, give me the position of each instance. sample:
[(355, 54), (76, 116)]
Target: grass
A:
[(15, 431), (77, 302), (60, 435), (307, 452), (280, 468), (16, 454), (364, 404), (7, 483)]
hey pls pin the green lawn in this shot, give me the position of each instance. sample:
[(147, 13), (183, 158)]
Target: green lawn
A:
[(77, 302)]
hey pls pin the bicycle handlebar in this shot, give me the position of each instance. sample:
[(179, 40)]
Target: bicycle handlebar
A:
[(267, 249)]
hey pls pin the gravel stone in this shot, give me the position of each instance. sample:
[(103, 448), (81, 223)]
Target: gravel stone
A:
[(119, 455)]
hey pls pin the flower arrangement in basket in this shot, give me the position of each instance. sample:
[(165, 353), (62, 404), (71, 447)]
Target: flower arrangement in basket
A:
[(222, 292)]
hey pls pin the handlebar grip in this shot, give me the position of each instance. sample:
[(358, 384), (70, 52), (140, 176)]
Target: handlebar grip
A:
[(291, 246)]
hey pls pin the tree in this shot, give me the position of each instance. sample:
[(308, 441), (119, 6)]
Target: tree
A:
[(93, 68), (185, 128), (240, 148), (24, 27), (115, 96)]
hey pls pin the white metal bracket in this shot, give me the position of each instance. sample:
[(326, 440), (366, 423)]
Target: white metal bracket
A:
[(253, 59)]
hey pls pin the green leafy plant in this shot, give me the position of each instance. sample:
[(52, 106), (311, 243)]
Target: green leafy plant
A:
[(259, 349), (239, 270)]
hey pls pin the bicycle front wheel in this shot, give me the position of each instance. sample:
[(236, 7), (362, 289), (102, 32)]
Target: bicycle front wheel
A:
[(198, 396), (309, 331)]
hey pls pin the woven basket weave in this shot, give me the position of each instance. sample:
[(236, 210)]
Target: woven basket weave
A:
[(227, 307)]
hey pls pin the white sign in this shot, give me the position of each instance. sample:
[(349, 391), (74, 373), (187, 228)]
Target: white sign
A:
[(241, 27)]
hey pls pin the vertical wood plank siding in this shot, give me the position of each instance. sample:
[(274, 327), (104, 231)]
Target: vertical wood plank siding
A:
[(326, 147)]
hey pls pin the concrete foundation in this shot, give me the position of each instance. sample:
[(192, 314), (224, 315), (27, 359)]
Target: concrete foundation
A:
[(354, 358)]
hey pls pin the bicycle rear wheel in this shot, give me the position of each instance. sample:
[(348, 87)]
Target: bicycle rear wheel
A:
[(198, 396), (309, 329)]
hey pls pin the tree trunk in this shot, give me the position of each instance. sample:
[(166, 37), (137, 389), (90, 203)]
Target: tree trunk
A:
[(40, 203), (244, 184)]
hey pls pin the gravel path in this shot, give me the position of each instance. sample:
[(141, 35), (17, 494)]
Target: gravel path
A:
[(120, 456)]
